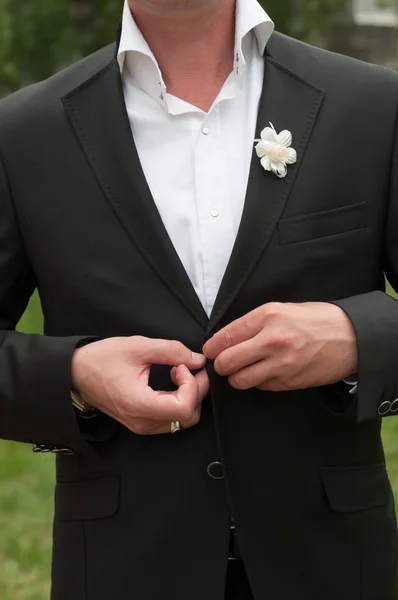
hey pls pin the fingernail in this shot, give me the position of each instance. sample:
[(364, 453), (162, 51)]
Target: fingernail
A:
[(197, 357)]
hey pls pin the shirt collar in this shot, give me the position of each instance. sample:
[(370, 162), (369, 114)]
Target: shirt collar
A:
[(250, 17)]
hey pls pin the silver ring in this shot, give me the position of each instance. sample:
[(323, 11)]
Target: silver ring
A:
[(175, 426)]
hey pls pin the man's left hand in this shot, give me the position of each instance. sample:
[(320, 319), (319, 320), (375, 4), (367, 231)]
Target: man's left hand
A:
[(287, 346)]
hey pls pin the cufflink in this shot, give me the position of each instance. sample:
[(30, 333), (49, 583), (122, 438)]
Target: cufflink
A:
[(385, 408)]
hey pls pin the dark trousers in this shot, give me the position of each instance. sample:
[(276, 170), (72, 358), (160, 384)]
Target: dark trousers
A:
[(237, 586)]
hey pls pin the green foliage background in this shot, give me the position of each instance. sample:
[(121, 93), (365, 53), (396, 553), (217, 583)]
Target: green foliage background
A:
[(37, 38)]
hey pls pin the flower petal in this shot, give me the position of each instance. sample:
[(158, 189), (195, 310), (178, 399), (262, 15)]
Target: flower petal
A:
[(261, 149), (266, 163), (285, 138), (291, 157), (268, 135), (279, 168)]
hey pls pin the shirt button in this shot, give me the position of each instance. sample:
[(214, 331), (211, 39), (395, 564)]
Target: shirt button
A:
[(205, 131), (215, 470), (214, 213)]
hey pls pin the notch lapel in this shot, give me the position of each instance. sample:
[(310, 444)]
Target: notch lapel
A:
[(99, 117), (288, 102)]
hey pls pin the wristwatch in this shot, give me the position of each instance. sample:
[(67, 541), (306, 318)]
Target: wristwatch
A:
[(82, 406)]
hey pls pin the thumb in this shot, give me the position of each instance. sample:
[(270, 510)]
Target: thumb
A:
[(170, 352)]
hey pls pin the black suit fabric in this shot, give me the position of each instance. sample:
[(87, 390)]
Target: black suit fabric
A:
[(139, 517)]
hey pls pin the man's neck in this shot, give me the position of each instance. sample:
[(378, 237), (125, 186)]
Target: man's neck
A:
[(194, 46)]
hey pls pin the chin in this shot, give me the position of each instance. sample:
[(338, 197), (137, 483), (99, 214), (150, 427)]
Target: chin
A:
[(170, 5)]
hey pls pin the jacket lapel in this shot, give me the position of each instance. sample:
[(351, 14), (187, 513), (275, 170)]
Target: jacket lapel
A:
[(288, 102), (98, 114)]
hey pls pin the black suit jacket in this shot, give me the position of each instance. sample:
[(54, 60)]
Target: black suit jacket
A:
[(304, 472)]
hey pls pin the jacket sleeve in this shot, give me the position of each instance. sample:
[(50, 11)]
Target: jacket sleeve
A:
[(375, 320), (35, 402)]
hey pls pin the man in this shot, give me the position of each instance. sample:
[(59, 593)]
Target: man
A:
[(167, 224)]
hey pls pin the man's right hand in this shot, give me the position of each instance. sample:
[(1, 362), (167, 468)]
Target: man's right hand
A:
[(112, 375)]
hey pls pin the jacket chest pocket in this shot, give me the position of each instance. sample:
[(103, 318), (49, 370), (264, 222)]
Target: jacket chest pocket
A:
[(321, 224)]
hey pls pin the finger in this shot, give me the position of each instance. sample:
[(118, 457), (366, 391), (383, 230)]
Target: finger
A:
[(173, 375), (242, 355), (187, 393), (235, 333), (171, 406), (169, 352), (153, 427), (148, 427), (202, 380), (194, 420), (273, 384), (252, 376)]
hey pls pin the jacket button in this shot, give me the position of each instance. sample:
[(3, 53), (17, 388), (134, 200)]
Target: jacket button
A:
[(42, 448), (384, 408), (215, 470), (66, 451), (394, 406)]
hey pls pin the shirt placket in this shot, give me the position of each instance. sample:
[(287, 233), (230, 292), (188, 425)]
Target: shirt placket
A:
[(213, 206)]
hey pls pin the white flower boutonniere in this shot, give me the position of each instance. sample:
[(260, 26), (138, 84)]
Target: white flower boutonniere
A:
[(275, 151)]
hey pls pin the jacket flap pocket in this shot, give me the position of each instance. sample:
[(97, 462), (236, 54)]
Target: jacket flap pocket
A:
[(352, 489), (322, 224), (87, 499)]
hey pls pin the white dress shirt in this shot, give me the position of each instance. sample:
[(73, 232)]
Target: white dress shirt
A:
[(197, 163)]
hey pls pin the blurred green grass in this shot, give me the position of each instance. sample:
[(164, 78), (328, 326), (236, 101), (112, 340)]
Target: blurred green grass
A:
[(26, 503), (26, 507)]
